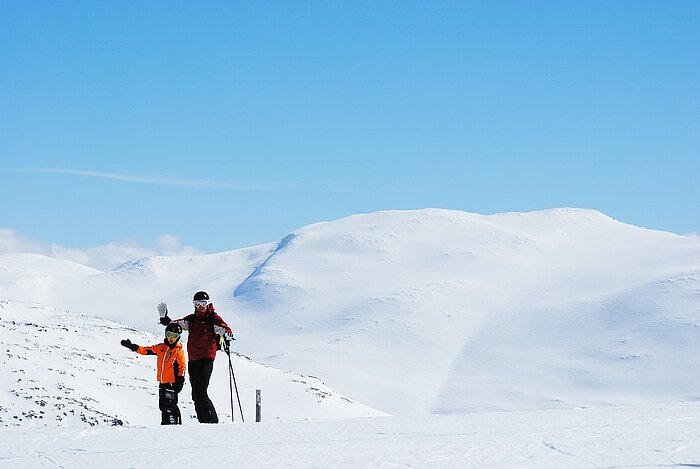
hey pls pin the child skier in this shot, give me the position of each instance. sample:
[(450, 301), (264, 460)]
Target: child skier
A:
[(171, 371)]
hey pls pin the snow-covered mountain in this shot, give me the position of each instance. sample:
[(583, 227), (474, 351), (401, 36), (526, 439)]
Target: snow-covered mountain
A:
[(427, 311), (443, 311)]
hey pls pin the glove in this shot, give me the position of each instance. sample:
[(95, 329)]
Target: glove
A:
[(127, 343), (228, 336), (179, 383), (163, 311)]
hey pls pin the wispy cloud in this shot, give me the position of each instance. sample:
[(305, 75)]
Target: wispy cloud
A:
[(154, 180), (205, 184)]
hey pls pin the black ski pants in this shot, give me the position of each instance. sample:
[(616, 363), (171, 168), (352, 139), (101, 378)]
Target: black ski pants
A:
[(167, 403), (200, 373)]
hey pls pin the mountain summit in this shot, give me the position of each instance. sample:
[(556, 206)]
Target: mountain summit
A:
[(437, 311)]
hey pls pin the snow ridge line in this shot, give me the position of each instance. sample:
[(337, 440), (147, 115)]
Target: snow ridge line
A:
[(284, 243)]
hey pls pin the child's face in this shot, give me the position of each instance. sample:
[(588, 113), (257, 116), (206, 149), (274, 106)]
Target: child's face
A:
[(171, 337)]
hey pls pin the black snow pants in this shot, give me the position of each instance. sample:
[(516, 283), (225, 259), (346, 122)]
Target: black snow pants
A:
[(167, 403), (200, 373)]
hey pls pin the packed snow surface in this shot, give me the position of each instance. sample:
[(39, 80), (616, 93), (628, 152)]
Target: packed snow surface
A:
[(637, 437)]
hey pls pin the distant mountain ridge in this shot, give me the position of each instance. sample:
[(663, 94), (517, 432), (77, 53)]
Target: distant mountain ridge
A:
[(436, 311)]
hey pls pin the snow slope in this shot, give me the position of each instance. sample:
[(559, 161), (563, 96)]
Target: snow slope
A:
[(432, 311), (60, 368), (443, 311)]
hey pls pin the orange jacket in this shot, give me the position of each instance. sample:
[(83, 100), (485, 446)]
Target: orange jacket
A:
[(171, 361)]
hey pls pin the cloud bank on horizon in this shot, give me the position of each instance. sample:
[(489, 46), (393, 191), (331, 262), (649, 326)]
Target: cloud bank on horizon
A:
[(105, 257)]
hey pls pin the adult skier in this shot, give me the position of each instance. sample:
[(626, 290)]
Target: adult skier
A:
[(205, 329), (170, 371)]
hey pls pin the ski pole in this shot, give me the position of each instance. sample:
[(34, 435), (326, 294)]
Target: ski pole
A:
[(240, 408), (230, 370), (230, 390), (232, 377)]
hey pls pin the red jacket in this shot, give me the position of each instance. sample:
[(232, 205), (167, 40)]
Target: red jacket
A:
[(202, 331)]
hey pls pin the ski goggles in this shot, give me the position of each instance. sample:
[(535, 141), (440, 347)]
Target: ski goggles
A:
[(200, 302), (172, 335)]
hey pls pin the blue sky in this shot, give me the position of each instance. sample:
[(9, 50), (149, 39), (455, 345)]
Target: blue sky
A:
[(230, 124)]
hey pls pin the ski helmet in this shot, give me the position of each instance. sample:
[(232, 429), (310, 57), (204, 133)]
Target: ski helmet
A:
[(200, 295), (173, 327)]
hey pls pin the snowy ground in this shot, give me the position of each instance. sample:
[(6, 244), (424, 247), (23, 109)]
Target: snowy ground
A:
[(636, 437)]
